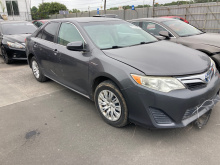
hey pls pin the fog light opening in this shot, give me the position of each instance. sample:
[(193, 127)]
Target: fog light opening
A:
[(203, 120)]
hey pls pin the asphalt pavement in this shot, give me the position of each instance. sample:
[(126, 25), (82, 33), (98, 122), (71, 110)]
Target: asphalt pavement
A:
[(45, 123)]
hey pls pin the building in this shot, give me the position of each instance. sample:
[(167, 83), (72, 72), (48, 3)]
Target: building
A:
[(16, 9)]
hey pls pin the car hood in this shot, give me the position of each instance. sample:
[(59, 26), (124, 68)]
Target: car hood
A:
[(162, 59), (212, 39), (20, 38)]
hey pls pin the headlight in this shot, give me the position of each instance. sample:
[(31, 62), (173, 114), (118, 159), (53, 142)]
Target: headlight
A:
[(15, 45), (213, 66), (163, 84)]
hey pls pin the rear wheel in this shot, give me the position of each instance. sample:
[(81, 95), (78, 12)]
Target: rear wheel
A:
[(37, 71), (111, 104), (6, 59)]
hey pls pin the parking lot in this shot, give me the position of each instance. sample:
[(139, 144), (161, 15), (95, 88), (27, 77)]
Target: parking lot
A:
[(45, 123)]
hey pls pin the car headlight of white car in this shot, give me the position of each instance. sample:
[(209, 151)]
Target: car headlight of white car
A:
[(213, 66), (16, 45), (162, 84)]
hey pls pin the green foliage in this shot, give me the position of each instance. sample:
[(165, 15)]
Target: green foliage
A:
[(75, 11), (113, 8), (127, 7), (168, 4), (34, 13), (46, 9), (55, 7), (177, 3), (141, 6), (204, 1)]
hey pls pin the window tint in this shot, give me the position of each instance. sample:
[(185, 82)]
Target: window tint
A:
[(182, 28), (18, 28), (68, 33), (112, 34), (135, 23), (152, 28), (50, 31)]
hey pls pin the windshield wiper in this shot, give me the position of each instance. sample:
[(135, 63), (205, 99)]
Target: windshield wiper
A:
[(26, 33), (143, 42), (113, 47)]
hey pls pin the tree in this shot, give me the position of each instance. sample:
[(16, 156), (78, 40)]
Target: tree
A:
[(55, 7), (113, 8), (34, 13), (75, 11), (141, 6), (46, 9)]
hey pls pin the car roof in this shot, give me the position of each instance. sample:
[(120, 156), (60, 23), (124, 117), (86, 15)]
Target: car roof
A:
[(11, 22), (86, 19), (156, 19)]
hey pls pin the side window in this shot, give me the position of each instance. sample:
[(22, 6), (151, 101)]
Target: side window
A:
[(135, 23), (152, 28), (50, 31), (68, 33), (40, 24)]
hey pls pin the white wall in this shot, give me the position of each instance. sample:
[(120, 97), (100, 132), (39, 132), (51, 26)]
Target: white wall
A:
[(24, 10)]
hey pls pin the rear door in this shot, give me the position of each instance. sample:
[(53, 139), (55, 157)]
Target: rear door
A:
[(45, 49), (73, 64)]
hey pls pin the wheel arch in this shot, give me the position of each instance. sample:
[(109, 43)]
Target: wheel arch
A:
[(29, 58), (99, 79)]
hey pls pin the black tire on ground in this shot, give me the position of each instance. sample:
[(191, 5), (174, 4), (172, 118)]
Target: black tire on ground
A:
[(110, 86), (40, 77), (6, 59)]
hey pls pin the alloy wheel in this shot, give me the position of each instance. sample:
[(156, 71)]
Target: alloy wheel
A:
[(35, 69), (109, 105)]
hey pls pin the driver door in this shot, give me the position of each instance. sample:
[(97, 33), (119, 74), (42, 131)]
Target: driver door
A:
[(74, 65)]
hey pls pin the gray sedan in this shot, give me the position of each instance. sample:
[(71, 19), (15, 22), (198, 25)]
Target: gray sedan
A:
[(183, 33), (129, 74)]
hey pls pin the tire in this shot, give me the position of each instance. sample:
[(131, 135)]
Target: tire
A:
[(111, 104), (37, 71), (6, 59)]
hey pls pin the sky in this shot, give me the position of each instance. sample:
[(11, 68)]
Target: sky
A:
[(94, 4)]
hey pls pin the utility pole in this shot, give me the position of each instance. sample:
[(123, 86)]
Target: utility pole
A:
[(153, 7), (105, 6)]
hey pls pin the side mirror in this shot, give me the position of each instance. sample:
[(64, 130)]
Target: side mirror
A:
[(165, 34), (76, 46), (160, 37)]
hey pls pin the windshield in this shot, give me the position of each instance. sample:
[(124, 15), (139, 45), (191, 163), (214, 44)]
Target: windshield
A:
[(182, 29), (116, 34), (18, 28)]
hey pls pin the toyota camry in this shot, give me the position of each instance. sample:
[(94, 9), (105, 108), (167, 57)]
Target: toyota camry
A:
[(130, 75)]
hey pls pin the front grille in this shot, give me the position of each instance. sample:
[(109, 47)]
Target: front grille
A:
[(195, 85), (197, 81), (160, 117)]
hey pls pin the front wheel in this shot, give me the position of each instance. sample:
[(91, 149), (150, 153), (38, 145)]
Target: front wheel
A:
[(6, 59), (111, 104), (37, 71)]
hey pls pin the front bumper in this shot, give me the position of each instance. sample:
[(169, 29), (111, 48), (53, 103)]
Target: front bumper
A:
[(175, 109), (16, 54)]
